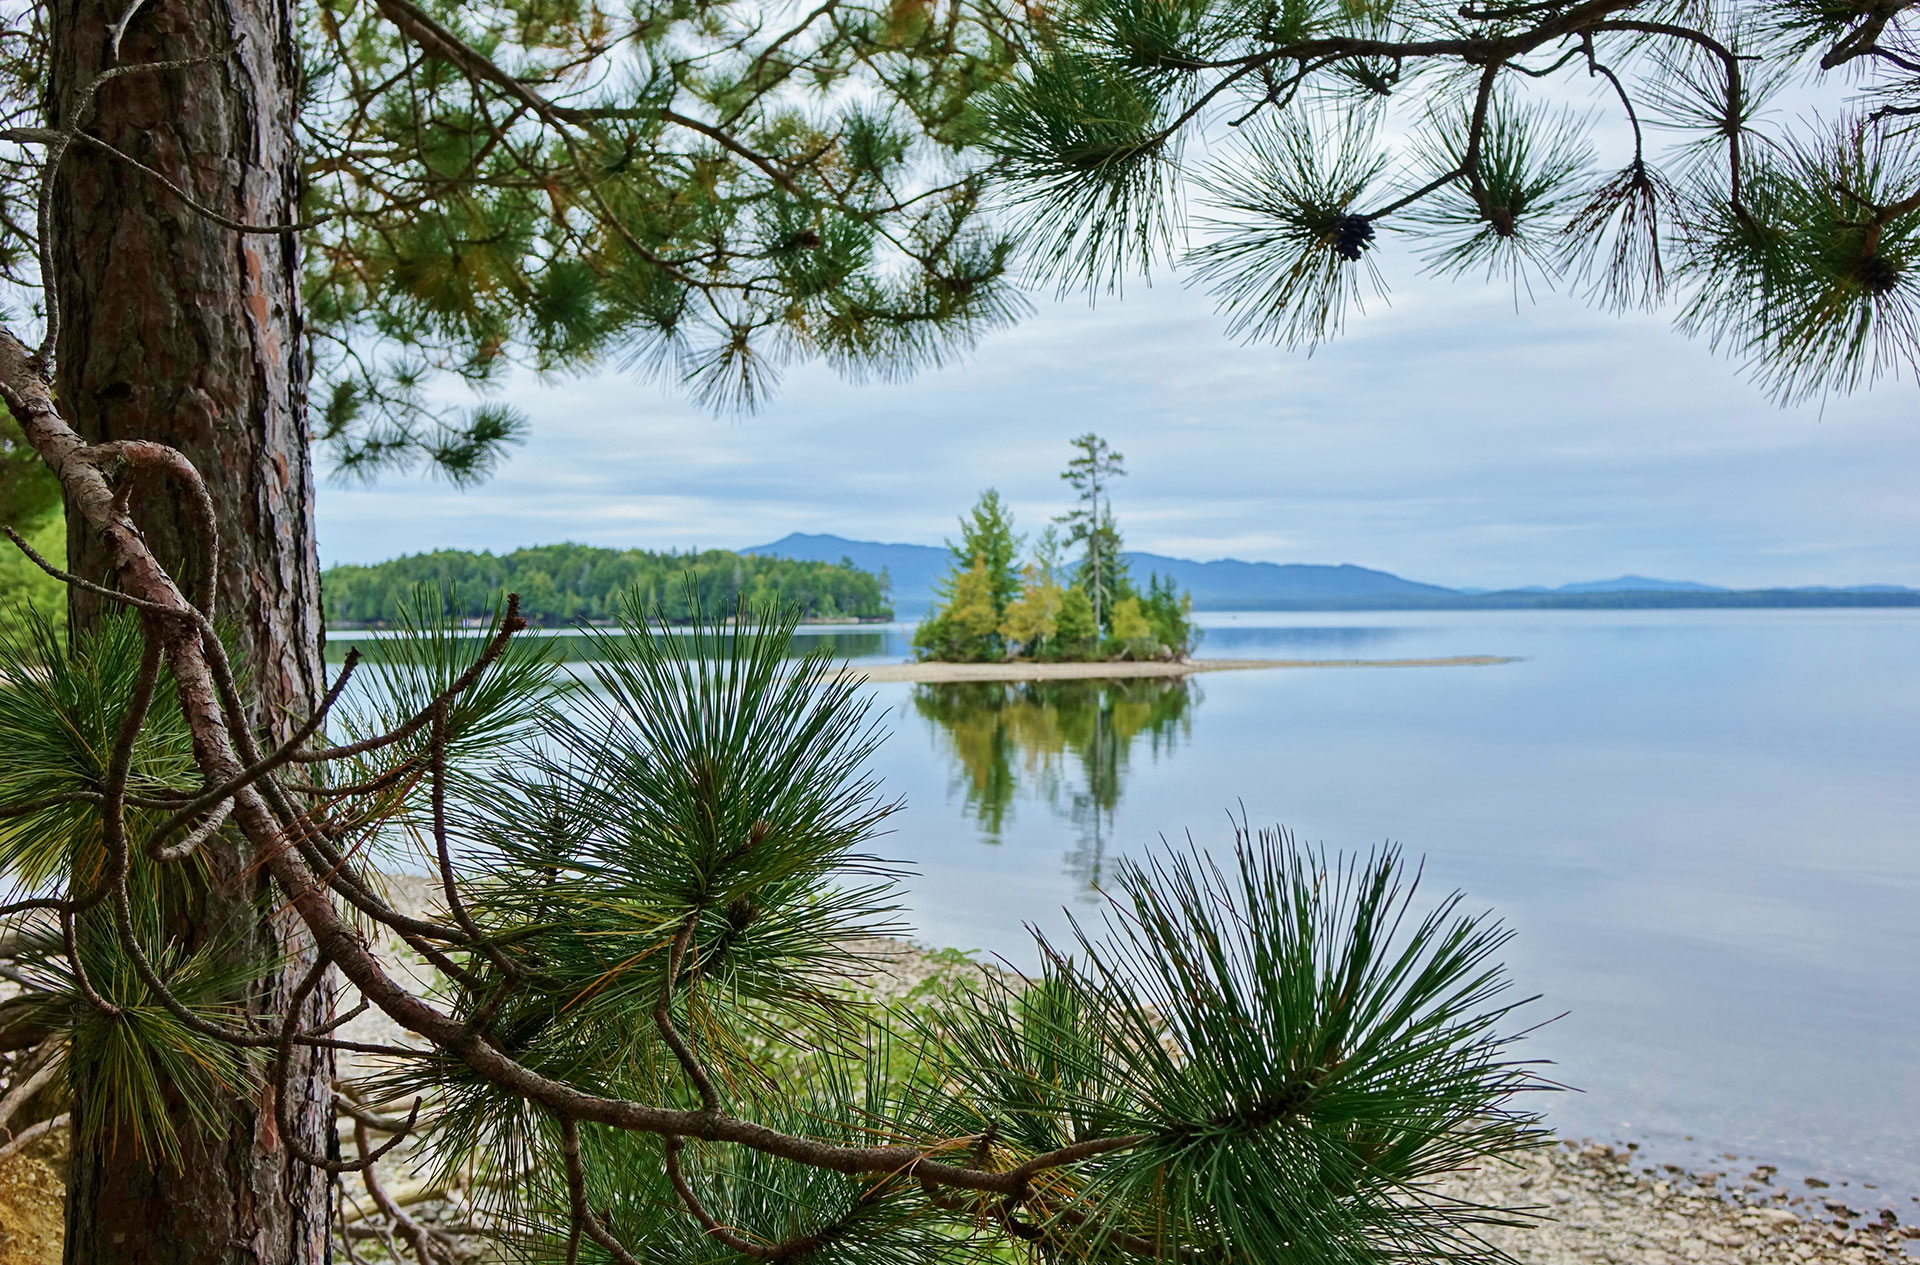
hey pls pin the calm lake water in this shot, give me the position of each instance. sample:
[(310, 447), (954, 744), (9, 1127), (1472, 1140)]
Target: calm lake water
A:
[(1703, 825)]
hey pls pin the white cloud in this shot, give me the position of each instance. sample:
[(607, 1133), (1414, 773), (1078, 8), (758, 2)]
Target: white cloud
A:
[(1448, 437)]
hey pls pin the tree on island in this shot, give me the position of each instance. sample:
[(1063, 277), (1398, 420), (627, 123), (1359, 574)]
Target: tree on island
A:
[(991, 607), (1033, 619), (205, 202), (1103, 575), (978, 589)]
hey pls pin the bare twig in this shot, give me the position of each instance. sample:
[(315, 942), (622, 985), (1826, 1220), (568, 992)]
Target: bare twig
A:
[(289, 1029), (663, 1018), (510, 623), (583, 1215), (21, 1094), (425, 1247), (223, 795), (33, 1133)]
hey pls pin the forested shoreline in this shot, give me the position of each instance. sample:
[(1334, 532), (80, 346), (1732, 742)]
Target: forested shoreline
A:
[(570, 584)]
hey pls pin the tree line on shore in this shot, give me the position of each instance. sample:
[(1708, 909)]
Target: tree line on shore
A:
[(994, 606), (568, 583)]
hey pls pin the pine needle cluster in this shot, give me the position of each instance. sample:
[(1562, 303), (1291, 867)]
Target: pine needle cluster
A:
[(703, 192), (658, 890), (1324, 126)]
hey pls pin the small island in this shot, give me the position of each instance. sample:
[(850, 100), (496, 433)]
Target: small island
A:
[(995, 608)]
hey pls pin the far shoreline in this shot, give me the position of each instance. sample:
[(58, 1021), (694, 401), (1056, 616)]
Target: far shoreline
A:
[(932, 673)]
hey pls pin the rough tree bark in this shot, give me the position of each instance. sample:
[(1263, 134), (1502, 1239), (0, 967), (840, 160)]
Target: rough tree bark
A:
[(177, 329)]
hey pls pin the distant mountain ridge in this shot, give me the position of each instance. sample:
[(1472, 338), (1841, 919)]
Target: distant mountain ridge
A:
[(1221, 584), (1231, 584), (912, 570), (1640, 584)]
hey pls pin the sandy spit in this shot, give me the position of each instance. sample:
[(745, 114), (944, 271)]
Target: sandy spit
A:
[(944, 673)]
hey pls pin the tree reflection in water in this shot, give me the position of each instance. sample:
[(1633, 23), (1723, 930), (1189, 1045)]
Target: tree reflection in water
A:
[(1067, 743)]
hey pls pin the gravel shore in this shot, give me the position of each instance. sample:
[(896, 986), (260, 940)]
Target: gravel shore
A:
[(1599, 1205)]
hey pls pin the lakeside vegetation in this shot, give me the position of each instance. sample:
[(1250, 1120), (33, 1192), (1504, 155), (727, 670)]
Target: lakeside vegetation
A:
[(570, 584), (598, 644), (30, 504), (994, 607)]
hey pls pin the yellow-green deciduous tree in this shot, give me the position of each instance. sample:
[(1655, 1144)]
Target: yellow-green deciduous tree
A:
[(1034, 617), (962, 630), (1130, 622)]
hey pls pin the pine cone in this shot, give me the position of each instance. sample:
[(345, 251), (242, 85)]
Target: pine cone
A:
[(1877, 273), (1352, 234)]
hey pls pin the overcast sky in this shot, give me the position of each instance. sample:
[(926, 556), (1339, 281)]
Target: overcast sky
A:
[(1453, 437)]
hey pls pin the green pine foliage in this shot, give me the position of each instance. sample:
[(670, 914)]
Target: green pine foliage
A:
[(1789, 239), (153, 1066), (698, 190), (701, 192), (568, 584), (62, 707), (1270, 1024), (665, 885)]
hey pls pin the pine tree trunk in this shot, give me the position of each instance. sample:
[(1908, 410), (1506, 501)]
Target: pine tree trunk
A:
[(180, 330)]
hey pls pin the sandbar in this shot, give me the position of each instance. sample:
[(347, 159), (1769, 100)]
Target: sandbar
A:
[(947, 673)]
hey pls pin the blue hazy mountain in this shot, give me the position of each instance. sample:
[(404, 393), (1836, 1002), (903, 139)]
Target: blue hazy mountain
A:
[(1229, 584), (912, 570), (1638, 584)]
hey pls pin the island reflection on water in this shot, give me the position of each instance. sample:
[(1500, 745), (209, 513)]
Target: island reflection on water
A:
[(1068, 744), (1699, 824)]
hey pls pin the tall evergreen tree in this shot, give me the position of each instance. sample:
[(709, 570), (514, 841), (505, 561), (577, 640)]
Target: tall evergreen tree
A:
[(982, 581), (1092, 473), (205, 204), (987, 537)]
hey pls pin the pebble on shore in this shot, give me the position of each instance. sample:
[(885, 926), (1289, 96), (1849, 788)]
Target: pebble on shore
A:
[(1597, 1204)]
